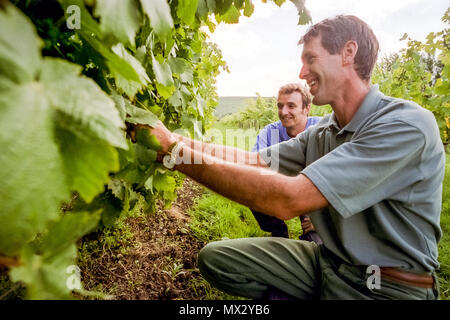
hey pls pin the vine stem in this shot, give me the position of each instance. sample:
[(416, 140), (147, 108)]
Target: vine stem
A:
[(9, 262)]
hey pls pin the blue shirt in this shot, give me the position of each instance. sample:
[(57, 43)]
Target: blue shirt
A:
[(275, 133)]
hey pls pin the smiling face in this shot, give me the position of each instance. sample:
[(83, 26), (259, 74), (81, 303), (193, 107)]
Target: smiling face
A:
[(321, 70), (291, 112)]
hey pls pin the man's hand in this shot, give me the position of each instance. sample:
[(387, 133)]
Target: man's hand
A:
[(307, 225), (161, 133)]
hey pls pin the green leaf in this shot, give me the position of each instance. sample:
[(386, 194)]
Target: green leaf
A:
[(202, 9), (48, 275), (230, 16), (119, 102), (45, 278), (186, 10), (163, 75), (31, 169), (248, 8), (181, 67), (112, 207), (20, 46), (160, 18), (144, 137), (222, 6), (126, 76), (67, 230), (164, 182), (118, 18), (141, 116), (81, 99), (87, 163), (144, 155), (303, 13), (89, 25)]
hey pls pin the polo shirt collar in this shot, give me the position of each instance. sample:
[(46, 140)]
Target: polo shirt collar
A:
[(367, 107)]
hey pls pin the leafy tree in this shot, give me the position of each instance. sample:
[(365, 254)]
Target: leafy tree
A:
[(421, 72)]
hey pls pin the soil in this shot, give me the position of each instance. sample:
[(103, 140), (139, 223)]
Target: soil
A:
[(160, 264)]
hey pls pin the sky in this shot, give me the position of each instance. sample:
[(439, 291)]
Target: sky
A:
[(262, 52)]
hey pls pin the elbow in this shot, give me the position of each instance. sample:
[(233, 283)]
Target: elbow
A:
[(287, 212)]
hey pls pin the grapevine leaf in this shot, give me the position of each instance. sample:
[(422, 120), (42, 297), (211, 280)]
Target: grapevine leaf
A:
[(30, 159), (118, 188), (149, 184), (141, 116), (46, 279), (145, 156), (249, 7), (164, 182), (127, 78), (47, 275), (19, 59), (202, 9), (238, 4), (119, 102), (81, 98), (120, 50), (112, 207), (89, 25), (144, 137), (160, 18), (186, 10), (222, 6), (87, 163), (163, 74), (118, 18), (181, 67), (230, 16), (68, 229), (211, 5), (176, 100), (303, 13)]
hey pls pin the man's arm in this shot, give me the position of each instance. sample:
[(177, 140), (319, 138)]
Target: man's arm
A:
[(258, 188), (261, 189), (224, 153)]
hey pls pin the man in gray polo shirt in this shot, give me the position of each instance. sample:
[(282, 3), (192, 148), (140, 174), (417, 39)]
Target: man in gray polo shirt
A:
[(369, 175)]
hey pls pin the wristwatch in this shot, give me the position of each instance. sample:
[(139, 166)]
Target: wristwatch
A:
[(170, 159)]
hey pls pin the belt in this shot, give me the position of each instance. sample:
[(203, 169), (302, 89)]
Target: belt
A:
[(407, 278)]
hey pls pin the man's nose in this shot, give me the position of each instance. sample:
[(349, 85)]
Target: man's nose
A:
[(284, 110), (303, 72)]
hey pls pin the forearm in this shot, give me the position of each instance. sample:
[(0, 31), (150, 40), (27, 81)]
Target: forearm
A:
[(258, 188), (225, 153)]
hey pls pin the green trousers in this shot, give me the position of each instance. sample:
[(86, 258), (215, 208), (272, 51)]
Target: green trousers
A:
[(304, 270)]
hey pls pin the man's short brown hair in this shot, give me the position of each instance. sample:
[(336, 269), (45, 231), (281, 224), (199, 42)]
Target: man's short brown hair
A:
[(300, 88), (335, 32)]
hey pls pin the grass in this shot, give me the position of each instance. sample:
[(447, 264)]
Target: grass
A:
[(444, 244)]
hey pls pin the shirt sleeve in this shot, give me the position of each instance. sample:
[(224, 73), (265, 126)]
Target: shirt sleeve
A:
[(375, 165), (287, 157), (261, 141)]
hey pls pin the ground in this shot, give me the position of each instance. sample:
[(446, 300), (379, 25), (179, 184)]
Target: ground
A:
[(158, 261)]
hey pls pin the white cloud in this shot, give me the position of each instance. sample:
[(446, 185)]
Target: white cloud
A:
[(262, 52)]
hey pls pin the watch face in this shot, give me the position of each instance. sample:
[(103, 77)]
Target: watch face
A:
[(167, 162)]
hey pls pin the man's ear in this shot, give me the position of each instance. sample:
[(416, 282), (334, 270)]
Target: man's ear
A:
[(306, 109), (349, 52)]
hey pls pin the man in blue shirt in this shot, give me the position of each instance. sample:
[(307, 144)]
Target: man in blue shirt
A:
[(294, 103)]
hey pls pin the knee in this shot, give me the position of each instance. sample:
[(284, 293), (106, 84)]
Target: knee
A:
[(207, 258)]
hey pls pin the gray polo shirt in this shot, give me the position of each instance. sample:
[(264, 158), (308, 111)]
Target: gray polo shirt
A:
[(382, 176)]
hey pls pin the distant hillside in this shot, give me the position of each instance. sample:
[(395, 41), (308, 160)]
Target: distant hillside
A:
[(229, 105)]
